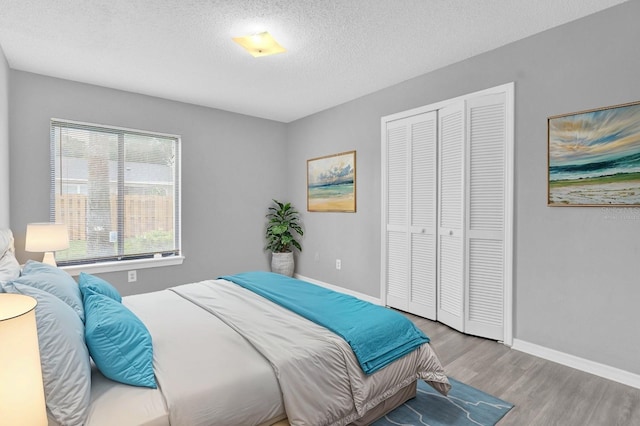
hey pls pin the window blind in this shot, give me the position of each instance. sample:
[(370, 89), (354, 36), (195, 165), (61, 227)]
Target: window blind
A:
[(117, 190)]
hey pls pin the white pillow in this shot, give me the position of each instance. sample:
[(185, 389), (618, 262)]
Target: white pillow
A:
[(9, 266)]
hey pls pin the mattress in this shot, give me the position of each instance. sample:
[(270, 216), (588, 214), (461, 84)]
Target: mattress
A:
[(115, 403)]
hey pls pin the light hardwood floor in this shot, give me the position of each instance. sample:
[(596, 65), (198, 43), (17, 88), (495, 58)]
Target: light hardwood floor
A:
[(544, 393)]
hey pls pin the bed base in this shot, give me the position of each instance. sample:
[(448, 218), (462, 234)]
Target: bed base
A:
[(394, 401)]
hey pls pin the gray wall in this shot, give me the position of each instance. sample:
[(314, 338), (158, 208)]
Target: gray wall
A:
[(4, 141), (575, 268), (576, 287), (232, 167)]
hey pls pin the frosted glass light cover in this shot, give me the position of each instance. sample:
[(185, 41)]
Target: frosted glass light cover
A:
[(262, 44)]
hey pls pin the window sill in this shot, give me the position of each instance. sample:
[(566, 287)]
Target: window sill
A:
[(123, 265)]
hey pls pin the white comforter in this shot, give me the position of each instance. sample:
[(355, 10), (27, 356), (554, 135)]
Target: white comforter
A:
[(319, 376), (208, 373)]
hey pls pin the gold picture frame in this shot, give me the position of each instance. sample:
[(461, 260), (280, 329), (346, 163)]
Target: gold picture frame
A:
[(331, 183)]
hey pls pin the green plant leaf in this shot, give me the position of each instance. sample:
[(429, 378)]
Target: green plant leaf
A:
[(283, 220)]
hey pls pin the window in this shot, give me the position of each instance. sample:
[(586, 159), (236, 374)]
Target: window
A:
[(117, 190)]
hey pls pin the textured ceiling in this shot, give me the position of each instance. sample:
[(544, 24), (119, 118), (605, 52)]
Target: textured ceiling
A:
[(338, 50)]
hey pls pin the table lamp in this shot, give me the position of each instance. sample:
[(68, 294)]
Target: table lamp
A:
[(47, 237), (21, 389)]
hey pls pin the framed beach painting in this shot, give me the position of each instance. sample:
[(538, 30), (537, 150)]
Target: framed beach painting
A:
[(594, 157), (331, 183)]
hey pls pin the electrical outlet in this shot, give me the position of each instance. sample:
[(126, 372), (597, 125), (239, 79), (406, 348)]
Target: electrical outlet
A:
[(338, 264), (132, 276)]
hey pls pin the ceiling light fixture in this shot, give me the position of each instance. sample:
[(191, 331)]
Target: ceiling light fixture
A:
[(261, 44)]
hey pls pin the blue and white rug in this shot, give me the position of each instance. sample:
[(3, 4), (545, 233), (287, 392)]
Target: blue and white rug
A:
[(464, 406)]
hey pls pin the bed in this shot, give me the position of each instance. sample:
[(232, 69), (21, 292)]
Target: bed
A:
[(215, 353)]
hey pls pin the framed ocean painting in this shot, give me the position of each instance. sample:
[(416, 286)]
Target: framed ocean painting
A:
[(594, 157), (331, 183)]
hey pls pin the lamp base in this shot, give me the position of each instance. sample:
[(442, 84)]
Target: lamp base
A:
[(49, 259)]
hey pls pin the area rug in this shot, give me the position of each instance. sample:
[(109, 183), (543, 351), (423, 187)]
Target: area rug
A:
[(464, 406)]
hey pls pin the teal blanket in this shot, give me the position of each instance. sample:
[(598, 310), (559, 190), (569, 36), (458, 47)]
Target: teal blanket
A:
[(377, 335)]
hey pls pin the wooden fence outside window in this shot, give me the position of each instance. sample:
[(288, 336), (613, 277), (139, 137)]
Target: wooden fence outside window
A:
[(142, 214)]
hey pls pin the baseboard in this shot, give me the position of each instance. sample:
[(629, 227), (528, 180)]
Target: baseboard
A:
[(592, 367), (362, 296)]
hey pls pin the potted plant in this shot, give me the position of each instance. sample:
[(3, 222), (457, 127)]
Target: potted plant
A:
[(283, 221)]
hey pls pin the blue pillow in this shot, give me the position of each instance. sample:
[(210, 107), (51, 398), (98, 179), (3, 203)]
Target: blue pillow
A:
[(118, 341), (66, 368), (97, 285), (53, 280)]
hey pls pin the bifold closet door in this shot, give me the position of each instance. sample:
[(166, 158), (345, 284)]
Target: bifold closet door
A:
[(411, 232), (448, 212), (451, 217), (485, 234)]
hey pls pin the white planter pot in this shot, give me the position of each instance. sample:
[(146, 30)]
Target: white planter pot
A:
[(282, 263)]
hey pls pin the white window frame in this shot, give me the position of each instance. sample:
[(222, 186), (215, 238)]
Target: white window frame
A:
[(125, 264)]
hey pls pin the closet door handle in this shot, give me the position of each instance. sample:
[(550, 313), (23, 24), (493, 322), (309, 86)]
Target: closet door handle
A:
[(451, 232)]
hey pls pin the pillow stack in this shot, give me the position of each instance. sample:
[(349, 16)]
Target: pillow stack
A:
[(75, 322), (66, 368)]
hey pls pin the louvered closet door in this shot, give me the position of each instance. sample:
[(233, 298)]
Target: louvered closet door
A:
[(411, 214), (486, 216), (397, 237), (450, 264), (423, 210)]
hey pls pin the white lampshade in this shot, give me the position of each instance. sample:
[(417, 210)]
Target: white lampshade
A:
[(47, 237), (21, 389)]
